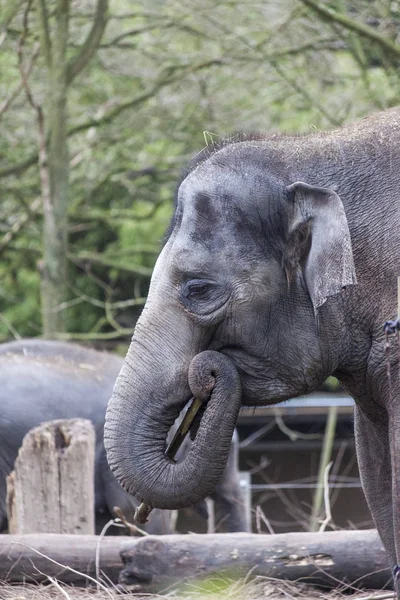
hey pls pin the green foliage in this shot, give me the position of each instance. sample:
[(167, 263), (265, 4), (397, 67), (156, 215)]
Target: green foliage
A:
[(332, 384), (163, 74), (227, 584), (23, 302)]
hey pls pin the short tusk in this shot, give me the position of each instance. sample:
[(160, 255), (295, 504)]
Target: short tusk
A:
[(143, 511), (183, 429)]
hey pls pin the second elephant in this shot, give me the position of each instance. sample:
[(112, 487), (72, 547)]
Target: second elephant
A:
[(44, 380)]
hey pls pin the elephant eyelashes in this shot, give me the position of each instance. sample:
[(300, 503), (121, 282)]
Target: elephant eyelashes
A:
[(203, 297), (195, 289)]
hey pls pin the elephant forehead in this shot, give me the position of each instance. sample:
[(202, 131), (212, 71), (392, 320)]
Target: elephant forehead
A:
[(209, 194), (227, 202), (196, 256), (210, 223)]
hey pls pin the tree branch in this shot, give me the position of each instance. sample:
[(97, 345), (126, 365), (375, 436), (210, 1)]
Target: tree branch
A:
[(43, 169), (7, 103), (171, 77), (20, 53), (100, 304), (19, 195), (109, 335), (62, 30), (302, 90), (20, 167), (95, 257), (320, 43), (116, 216), (17, 226), (11, 9), (133, 32), (117, 110), (45, 39), (365, 31), (90, 45)]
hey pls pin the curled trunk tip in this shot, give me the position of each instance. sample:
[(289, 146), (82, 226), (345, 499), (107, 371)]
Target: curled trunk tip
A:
[(136, 430)]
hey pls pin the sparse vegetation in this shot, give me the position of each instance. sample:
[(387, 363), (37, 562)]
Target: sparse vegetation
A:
[(210, 590)]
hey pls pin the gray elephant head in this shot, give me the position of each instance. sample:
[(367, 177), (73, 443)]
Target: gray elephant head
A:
[(236, 315)]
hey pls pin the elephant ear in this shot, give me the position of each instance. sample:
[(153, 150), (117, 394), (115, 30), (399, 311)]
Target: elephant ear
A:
[(318, 241)]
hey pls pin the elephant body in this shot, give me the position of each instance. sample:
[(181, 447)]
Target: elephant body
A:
[(278, 270), (45, 380)]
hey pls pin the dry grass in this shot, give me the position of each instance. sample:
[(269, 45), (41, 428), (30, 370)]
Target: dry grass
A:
[(213, 589)]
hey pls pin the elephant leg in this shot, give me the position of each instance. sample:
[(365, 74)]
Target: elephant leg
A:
[(160, 522), (394, 446), (3, 521), (3, 511), (374, 461), (230, 514)]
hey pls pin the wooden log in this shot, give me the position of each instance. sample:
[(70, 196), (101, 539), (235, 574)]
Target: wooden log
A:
[(20, 560), (51, 489), (153, 563)]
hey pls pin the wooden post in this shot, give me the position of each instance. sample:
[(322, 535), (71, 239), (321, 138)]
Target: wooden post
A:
[(51, 489)]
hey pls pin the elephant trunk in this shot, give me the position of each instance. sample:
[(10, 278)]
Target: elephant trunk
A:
[(141, 412)]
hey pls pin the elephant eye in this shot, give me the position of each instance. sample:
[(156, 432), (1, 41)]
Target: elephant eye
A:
[(203, 297), (195, 289)]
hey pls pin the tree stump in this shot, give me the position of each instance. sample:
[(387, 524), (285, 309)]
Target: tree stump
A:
[(51, 489)]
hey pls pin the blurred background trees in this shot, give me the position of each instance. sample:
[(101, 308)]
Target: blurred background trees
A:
[(102, 103)]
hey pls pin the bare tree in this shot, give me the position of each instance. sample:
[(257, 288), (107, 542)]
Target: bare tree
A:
[(54, 159)]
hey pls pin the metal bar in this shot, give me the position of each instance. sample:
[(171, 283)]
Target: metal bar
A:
[(259, 487), (257, 434), (326, 456)]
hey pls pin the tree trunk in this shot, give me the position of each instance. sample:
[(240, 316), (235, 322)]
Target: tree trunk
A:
[(154, 563), (51, 489), (55, 198)]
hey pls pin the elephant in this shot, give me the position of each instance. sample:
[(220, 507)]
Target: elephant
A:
[(278, 270), (43, 380)]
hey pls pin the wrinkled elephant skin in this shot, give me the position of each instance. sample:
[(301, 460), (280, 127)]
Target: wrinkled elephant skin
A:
[(282, 258)]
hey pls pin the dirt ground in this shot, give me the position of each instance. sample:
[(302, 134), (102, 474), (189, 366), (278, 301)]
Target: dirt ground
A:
[(260, 589)]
